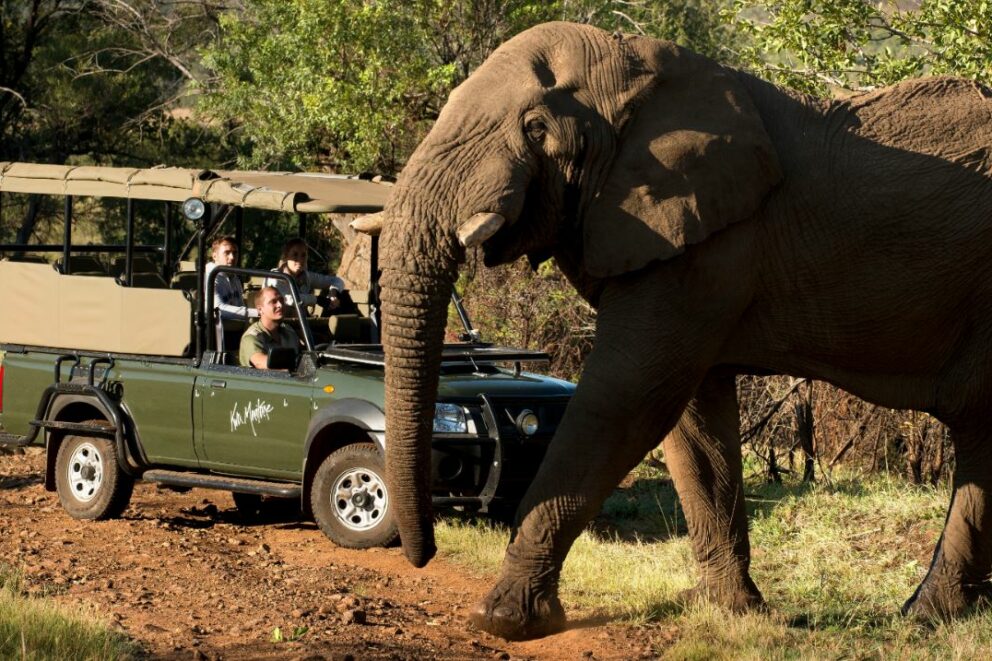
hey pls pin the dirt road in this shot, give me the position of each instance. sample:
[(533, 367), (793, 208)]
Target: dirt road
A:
[(184, 576)]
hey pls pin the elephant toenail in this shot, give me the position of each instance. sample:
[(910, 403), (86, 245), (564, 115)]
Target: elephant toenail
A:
[(505, 613)]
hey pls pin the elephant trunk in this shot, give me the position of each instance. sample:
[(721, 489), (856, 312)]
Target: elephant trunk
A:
[(414, 310)]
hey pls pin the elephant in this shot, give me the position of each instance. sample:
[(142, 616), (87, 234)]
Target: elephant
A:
[(720, 226)]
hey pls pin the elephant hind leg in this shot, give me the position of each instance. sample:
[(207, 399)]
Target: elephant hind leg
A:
[(962, 562), (703, 453)]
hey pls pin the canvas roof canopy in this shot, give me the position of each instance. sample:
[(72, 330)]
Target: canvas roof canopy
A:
[(276, 191)]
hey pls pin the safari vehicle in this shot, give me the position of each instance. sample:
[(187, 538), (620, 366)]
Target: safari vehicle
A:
[(118, 371)]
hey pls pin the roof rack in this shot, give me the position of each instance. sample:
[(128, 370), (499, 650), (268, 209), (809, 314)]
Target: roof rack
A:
[(276, 191)]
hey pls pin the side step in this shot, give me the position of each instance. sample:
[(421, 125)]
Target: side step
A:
[(223, 483), (13, 440), (89, 430)]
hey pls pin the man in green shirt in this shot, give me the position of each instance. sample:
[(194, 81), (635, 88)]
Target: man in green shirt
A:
[(269, 331)]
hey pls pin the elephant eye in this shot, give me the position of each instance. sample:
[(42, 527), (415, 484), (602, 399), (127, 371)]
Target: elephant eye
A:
[(535, 130)]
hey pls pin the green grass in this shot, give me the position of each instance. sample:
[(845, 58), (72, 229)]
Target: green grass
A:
[(40, 628), (835, 562)]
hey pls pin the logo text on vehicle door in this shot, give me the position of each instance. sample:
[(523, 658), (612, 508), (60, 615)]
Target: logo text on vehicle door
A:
[(250, 413)]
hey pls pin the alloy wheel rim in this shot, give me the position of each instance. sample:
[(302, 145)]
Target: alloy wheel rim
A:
[(359, 499), (85, 472)]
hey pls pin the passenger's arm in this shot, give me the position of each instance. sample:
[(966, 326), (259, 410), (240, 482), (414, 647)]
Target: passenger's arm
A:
[(224, 291), (331, 284), (259, 360)]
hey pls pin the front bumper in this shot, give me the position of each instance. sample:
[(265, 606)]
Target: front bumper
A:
[(498, 462)]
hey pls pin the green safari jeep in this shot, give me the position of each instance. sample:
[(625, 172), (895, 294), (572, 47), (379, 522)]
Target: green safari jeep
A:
[(113, 363)]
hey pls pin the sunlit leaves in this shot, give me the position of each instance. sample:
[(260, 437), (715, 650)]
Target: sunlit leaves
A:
[(818, 45)]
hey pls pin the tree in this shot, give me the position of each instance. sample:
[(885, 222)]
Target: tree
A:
[(695, 24), (97, 81), (346, 85), (819, 45)]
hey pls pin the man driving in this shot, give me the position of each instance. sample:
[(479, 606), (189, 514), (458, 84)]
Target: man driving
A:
[(268, 332)]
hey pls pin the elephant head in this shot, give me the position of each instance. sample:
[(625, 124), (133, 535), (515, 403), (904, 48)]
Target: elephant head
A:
[(605, 151)]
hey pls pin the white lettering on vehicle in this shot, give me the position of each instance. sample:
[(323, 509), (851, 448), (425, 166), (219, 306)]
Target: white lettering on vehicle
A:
[(250, 413)]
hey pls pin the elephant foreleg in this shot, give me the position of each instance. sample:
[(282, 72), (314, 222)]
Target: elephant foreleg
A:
[(625, 403), (960, 570), (703, 453)]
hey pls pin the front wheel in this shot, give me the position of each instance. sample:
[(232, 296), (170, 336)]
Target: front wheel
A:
[(88, 479), (350, 500)]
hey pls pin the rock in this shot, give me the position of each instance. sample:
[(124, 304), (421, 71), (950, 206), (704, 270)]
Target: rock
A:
[(234, 541), (355, 616)]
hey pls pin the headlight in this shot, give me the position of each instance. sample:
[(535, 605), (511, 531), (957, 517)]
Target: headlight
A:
[(194, 208), (450, 419), (527, 422)]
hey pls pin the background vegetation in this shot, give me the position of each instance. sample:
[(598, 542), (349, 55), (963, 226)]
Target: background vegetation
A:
[(349, 85)]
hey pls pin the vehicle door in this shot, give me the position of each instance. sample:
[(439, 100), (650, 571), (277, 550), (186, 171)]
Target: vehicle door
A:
[(251, 421), (156, 396)]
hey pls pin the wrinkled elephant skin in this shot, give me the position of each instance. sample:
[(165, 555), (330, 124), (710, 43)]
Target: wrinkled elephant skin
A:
[(720, 226)]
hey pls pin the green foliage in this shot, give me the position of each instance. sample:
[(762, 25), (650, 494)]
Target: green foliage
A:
[(818, 45), (514, 306), (695, 24), (38, 628), (279, 637), (314, 83)]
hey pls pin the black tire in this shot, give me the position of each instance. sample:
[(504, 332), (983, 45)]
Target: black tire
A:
[(350, 500), (88, 479), (503, 512), (253, 508), (249, 505)]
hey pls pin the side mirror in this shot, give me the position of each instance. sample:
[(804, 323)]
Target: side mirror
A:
[(283, 358)]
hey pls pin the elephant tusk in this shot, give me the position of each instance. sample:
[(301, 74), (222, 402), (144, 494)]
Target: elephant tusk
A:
[(370, 224), (480, 227)]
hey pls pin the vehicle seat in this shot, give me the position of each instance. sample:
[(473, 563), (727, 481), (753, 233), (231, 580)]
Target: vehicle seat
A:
[(32, 259), (184, 280), (147, 280), (139, 264), (81, 265), (350, 328), (361, 300)]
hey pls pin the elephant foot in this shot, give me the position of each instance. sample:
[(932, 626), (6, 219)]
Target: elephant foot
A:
[(737, 597), (942, 600), (514, 610)]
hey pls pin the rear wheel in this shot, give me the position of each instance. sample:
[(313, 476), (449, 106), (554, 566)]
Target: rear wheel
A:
[(350, 500), (88, 479), (252, 507), (249, 505)]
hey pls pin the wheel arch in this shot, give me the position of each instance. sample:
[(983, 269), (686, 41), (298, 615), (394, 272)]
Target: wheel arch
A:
[(68, 408), (342, 423)]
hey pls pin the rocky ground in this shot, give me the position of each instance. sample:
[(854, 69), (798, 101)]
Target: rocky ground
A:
[(186, 578)]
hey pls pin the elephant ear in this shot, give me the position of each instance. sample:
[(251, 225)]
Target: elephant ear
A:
[(692, 158)]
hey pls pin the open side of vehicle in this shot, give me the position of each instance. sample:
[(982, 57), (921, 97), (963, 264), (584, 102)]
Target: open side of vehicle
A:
[(126, 376)]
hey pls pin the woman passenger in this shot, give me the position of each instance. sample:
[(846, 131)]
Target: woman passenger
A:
[(293, 263)]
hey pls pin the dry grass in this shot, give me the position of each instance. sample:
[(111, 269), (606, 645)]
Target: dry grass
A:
[(35, 628), (835, 563)]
